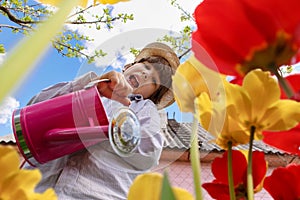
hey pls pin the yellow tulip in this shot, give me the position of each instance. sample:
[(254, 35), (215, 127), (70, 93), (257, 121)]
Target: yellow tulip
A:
[(191, 79), (255, 104), (110, 1), (213, 116), (81, 3), (18, 183), (148, 187)]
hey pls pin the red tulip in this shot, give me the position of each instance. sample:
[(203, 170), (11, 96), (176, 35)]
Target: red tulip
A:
[(236, 36), (294, 82), (288, 141), (219, 189), (284, 183)]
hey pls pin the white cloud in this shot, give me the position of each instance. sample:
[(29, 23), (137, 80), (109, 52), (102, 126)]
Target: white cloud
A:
[(295, 68), (2, 56), (7, 107), (152, 20), (156, 14)]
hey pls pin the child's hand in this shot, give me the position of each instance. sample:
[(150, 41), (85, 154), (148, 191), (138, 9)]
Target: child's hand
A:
[(117, 88)]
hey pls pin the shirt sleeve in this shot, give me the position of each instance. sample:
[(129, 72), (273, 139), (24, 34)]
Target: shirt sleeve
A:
[(149, 150), (63, 88)]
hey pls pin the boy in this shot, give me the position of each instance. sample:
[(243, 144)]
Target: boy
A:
[(98, 172)]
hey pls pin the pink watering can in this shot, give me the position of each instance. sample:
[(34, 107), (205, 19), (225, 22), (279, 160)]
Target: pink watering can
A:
[(63, 125)]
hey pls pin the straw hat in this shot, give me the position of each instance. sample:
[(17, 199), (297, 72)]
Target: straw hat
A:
[(162, 50)]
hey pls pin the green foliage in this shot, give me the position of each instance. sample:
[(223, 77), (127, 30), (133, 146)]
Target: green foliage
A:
[(23, 18), (134, 51), (2, 49), (286, 70), (289, 69), (181, 42), (185, 16)]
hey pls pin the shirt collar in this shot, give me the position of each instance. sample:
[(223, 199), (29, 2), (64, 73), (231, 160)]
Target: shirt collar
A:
[(135, 97)]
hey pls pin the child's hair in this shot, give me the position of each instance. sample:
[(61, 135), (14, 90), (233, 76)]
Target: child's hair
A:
[(165, 72)]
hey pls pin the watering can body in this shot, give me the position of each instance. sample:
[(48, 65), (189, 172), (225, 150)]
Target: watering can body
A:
[(60, 126)]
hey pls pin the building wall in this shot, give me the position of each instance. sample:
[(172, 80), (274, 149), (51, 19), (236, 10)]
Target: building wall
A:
[(180, 171)]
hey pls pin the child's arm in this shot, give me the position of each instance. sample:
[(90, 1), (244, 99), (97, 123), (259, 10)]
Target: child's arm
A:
[(117, 88), (63, 88)]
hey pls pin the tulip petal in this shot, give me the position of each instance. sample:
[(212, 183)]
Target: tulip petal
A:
[(263, 34), (81, 3), (8, 155), (204, 111), (15, 67), (51, 2), (232, 23), (283, 115), (262, 90), (236, 95), (182, 194), (239, 165), (26, 179), (148, 187), (259, 169), (288, 141), (109, 1), (217, 191), (190, 80), (294, 82), (283, 183)]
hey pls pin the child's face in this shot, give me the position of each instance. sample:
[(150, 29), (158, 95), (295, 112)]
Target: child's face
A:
[(143, 78)]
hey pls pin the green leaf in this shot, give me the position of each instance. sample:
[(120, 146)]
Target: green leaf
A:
[(166, 191), (2, 49)]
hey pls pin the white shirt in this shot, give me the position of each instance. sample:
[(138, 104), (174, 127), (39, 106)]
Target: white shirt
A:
[(98, 172)]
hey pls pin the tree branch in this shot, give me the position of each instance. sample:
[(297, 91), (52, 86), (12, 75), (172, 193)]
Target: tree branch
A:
[(12, 27), (82, 11), (71, 48), (93, 22), (184, 53), (15, 19)]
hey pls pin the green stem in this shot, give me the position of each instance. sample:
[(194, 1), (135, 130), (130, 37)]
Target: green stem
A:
[(288, 90), (230, 174), (249, 167), (22, 59), (195, 160)]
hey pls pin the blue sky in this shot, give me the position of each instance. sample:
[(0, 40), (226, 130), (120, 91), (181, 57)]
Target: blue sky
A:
[(53, 68)]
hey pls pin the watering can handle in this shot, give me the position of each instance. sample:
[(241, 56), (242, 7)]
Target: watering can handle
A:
[(95, 133), (93, 83)]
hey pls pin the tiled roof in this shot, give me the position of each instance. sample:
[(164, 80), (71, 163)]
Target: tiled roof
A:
[(7, 139), (177, 135), (206, 144)]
